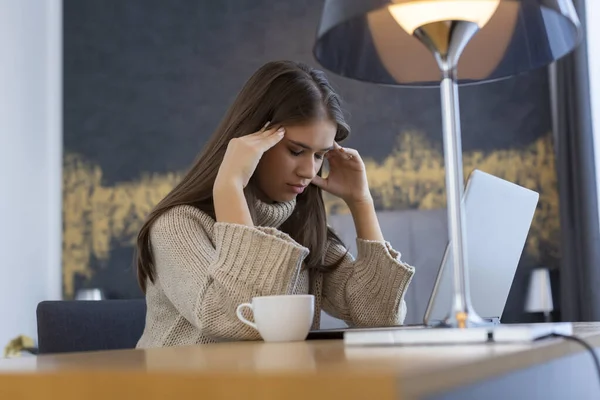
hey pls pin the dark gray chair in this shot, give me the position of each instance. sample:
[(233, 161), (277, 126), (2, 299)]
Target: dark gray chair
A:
[(70, 326)]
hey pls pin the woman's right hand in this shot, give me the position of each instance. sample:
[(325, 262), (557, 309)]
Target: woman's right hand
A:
[(243, 154)]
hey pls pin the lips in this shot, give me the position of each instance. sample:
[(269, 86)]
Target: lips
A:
[(297, 188)]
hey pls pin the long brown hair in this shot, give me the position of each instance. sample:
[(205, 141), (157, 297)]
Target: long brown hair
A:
[(284, 93)]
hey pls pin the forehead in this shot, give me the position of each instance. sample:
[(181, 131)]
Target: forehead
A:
[(318, 135)]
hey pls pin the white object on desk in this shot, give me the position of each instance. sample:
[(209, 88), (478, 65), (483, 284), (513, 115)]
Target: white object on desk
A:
[(403, 336), (509, 333), (280, 318)]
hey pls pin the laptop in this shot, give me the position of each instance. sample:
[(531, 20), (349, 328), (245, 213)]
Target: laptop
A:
[(498, 216)]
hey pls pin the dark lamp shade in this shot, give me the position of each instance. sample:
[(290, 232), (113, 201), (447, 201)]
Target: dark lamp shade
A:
[(363, 40)]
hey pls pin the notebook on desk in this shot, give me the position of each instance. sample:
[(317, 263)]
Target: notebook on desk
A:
[(498, 216)]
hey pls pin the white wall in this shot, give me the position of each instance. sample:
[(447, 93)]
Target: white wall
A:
[(593, 41), (30, 161)]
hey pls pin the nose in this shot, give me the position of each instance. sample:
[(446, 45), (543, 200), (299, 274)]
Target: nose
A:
[(307, 168)]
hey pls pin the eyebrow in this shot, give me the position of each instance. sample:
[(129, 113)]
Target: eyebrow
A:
[(307, 147)]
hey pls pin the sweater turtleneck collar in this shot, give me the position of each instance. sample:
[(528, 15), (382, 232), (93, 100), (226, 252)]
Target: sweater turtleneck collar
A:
[(275, 214)]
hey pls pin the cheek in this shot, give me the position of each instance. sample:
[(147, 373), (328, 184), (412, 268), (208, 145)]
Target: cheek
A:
[(282, 161), (275, 163), (273, 157)]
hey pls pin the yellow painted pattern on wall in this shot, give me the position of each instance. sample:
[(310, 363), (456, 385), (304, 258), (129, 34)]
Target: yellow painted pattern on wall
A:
[(411, 177)]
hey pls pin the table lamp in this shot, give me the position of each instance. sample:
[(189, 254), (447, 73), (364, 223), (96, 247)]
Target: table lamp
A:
[(426, 43), (539, 293)]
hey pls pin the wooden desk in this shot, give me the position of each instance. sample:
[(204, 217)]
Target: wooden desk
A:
[(311, 370)]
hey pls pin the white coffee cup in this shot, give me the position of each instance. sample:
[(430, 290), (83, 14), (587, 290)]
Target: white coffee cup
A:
[(280, 318)]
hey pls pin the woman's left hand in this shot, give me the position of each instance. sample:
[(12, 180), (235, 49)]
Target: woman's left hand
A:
[(347, 177)]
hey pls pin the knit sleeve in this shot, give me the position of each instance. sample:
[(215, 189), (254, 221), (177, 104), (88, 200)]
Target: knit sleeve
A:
[(368, 291), (206, 281)]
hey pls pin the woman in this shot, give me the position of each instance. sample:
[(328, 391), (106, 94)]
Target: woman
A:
[(249, 220)]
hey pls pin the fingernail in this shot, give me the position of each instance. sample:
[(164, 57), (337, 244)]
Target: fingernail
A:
[(281, 130)]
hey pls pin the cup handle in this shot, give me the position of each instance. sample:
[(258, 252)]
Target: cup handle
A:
[(238, 312)]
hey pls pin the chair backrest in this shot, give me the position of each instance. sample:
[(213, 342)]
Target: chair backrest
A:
[(69, 326)]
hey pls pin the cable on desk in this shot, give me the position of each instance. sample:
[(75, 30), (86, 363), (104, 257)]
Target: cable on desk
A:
[(586, 345)]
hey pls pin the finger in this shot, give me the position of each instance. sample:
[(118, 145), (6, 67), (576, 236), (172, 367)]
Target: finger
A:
[(347, 153), (339, 154), (338, 149), (272, 139), (319, 182), (260, 135), (262, 130), (332, 156), (351, 153), (336, 159), (270, 131)]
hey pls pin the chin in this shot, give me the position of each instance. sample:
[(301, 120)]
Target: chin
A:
[(285, 197), (278, 195)]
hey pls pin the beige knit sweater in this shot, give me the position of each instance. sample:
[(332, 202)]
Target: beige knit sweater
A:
[(205, 269)]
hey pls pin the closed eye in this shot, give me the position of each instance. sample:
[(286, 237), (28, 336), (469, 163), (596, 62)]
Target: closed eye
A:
[(298, 153)]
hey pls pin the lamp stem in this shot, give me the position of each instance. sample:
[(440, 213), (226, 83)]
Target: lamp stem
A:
[(462, 313), (446, 40)]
